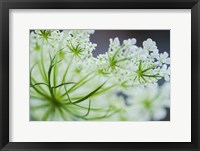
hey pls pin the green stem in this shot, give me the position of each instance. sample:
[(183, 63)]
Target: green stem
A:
[(54, 77), (104, 90), (38, 86), (81, 82), (66, 71), (49, 80), (89, 95), (43, 67), (75, 86)]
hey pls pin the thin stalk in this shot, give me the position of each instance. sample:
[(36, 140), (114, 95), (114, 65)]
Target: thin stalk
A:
[(75, 85), (49, 83), (66, 71), (89, 95), (89, 105), (32, 79), (81, 82), (54, 77), (43, 67), (47, 113), (41, 83), (104, 90), (38, 86)]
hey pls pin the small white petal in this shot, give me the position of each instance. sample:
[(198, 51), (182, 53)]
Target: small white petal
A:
[(166, 77)]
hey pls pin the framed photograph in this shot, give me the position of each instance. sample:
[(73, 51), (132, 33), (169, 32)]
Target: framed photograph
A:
[(99, 75)]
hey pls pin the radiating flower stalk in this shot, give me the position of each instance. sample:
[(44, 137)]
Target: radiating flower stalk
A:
[(67, 83)]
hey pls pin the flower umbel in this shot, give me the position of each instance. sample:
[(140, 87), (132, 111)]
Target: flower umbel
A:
[(68, 83)]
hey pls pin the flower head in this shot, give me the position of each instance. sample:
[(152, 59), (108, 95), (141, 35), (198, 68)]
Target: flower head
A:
[(149, 45)]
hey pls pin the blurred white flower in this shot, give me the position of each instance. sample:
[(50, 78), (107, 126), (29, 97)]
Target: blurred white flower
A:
[(130, 42), (155, 54), (165, 72), (163, 58), (114, 43), (148, 103), (149, 45)]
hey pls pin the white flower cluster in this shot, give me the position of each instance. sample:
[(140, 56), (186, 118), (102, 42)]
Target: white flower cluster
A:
[(133, 65), (69, 83)]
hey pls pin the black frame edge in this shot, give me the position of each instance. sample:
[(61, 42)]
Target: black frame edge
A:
[(5, 145), (195, 75), (1, 78), (4, 67), (100, 4), (198, 74)]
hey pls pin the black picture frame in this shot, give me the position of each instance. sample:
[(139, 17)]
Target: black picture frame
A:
[(5, 5)]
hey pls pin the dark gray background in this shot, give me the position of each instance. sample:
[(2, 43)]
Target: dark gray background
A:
[(161, 37)]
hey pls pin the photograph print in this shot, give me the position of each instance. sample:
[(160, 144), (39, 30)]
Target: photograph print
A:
[(99, 75)]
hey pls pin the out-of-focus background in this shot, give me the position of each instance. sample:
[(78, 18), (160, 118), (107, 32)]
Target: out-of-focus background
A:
[(161, 37)]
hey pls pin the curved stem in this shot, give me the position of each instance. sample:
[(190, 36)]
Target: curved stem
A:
[(43, 67)]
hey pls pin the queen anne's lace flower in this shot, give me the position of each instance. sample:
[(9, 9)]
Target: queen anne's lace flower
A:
[(69, 83)]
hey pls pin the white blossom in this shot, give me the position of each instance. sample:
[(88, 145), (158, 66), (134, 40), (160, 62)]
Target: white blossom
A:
[(149, 45), (163, 58), (148, 103)]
